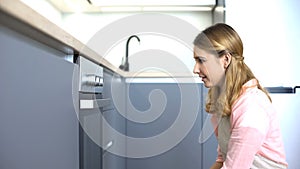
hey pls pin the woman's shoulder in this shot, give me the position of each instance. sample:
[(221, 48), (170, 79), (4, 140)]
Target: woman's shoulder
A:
[(251, 95), (252, 104)]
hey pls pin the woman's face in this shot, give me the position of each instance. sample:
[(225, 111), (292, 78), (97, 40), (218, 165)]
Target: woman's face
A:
[(211, 69)]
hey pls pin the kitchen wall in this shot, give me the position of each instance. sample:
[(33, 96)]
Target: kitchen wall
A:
[(88, 27), (269, 30), (46, 9)]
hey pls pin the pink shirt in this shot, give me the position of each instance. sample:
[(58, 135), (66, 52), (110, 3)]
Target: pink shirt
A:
[(254, 130)]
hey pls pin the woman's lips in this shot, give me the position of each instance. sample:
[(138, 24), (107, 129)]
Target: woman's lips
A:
[(203, 78)]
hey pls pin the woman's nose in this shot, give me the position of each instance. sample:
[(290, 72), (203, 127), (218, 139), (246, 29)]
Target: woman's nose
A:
[(196, 69)]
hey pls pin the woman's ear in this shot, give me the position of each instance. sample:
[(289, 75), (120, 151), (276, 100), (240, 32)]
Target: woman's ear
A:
[(226, 60)]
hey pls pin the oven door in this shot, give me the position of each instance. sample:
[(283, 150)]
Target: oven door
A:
[(91, 133), (91, 104)]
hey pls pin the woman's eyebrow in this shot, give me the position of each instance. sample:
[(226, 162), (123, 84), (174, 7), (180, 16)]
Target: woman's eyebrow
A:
[(197, 57)]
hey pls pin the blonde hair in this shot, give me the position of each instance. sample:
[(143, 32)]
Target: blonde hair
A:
[(221, 39)]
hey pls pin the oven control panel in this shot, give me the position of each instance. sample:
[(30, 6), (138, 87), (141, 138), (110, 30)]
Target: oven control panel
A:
[(90, 76)]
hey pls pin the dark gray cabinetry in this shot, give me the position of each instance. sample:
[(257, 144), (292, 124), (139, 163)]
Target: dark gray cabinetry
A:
[(114, 123), (189, 153), (90, 103), (210, 144), (90, 135), (38, 123)]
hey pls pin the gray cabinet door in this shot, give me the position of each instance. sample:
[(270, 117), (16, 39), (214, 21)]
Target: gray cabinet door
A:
[(114, 123), (208, 139), (181, 101), (38, 122), (90, 136)]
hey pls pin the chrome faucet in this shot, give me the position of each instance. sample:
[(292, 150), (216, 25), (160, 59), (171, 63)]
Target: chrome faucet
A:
[(125, 66)]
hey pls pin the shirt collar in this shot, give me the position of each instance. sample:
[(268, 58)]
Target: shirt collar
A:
[(249, 85)]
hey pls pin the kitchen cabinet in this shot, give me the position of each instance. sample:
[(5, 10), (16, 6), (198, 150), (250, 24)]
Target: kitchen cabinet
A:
[(90, 136), (99, 119), (113, 146), (189, 153), (38, 121), (39, 107), (209, 140)]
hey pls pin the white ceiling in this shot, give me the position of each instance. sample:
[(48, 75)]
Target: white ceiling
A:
[(65, 6)]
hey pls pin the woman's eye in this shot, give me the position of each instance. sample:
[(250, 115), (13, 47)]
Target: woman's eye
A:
[(200, 60)]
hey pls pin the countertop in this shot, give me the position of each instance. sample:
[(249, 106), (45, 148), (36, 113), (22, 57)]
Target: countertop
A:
[(18, 16)]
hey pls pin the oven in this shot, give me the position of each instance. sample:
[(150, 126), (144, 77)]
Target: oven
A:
[(91, 106)]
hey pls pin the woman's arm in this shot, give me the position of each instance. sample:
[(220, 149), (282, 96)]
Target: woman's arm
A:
[(250, 123), (242, 148)]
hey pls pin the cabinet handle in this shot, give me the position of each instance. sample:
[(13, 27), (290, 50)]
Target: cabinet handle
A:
[(281, 89), (93, 104), (107, 146)]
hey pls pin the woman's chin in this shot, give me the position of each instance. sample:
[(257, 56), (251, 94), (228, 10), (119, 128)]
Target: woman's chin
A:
[(207, 84)]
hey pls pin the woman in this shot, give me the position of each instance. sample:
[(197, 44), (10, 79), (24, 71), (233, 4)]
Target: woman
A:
[(246, 124)]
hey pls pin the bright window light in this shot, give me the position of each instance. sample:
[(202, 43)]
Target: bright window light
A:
[(152, 2), (153, 8), (176, 8), (153, 5), (121, 9)]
